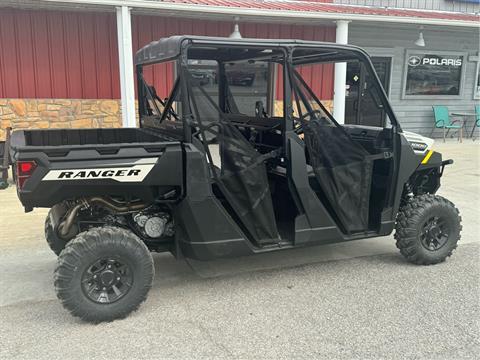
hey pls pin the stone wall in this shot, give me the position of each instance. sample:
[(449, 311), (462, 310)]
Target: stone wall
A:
[(278, 106), (58, 113), (71, 113)]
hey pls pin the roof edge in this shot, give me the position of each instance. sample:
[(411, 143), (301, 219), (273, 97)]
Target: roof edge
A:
[(270, 13)]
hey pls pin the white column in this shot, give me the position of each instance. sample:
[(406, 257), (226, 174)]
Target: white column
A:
[(340, 75), (125, 57)]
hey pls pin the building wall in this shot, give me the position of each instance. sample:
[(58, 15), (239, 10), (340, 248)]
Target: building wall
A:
[(60, 69), (148, 28), (58, 113), (416, 114), (56, 54)]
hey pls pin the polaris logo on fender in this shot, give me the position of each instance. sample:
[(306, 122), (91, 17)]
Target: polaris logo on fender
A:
[(134, 173), (418, 146)]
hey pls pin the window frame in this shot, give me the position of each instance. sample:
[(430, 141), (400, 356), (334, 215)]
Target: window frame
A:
[(410, 52), (476, 81)]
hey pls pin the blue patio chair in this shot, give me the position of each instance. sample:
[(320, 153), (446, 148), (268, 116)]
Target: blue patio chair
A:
[(477, 119), (442, 120)]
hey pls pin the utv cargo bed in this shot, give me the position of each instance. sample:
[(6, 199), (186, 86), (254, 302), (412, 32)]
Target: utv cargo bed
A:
[(70, 163), (72, 137)]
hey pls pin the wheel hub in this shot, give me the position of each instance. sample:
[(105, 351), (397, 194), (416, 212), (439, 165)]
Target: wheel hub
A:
[(107, 280), (107, 277), (434, 233)]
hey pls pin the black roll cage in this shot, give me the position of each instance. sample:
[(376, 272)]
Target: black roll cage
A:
[(210, 49), (288, 54)]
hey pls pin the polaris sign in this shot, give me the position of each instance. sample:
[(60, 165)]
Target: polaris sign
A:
[(434, 60), (442, 62)]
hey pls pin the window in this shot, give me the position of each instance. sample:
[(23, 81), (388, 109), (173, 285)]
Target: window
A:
[(248, 85), (433, 74), (204, 73)]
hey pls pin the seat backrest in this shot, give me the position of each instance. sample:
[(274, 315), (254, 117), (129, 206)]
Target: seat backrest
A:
[(477, 112), (441, 116)]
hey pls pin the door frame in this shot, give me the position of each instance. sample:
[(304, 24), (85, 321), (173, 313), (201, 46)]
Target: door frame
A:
[(389, 72), (384, 53)]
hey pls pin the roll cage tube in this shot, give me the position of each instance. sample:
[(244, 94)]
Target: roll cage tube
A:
[(285, 56), (175, 48)]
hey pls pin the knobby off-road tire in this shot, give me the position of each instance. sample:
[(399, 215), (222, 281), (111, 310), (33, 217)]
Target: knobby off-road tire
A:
[(55, 243), (427, 229), (103, 274)]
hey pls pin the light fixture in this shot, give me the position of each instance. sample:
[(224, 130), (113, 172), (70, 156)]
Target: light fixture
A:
[(420, 41), (236, 31)]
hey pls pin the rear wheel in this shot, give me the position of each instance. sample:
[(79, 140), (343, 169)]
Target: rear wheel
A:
[(56, 243), (428, 229), (103, 274)]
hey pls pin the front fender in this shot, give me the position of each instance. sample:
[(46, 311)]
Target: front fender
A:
[(426, 178)]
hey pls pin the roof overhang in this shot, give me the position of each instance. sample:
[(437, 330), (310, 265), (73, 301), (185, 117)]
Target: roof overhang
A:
[(199, 10)]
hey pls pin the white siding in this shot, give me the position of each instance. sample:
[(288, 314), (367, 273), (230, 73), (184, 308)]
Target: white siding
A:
[(416, 114)]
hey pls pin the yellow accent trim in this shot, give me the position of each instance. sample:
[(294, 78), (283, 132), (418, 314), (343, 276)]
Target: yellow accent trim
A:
[(427, 157)]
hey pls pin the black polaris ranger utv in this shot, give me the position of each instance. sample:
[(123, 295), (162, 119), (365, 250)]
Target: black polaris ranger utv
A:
[(227, 165)]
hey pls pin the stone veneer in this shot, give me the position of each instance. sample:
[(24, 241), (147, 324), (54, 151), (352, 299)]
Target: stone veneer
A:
[(71, 113), (278, 106), (58, 113)]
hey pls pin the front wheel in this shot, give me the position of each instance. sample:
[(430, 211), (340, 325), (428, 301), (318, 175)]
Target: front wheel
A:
[(427, 229), (103, 274)]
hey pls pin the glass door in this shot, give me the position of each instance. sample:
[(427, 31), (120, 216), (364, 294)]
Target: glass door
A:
[(362, 105)]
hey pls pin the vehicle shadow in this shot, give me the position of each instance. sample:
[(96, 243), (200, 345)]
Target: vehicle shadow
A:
[(169, 270)]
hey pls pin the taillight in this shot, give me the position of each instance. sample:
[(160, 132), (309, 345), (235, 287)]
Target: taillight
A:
[(25, 170)]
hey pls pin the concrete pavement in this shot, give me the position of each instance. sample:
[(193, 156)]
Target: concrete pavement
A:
[(350, 300)]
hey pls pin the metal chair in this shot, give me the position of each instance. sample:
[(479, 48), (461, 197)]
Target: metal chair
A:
[(442, 120), (477, 120)]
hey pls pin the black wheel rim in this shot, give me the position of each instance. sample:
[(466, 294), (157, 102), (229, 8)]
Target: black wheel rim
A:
[(435, 232), (107, 280)]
